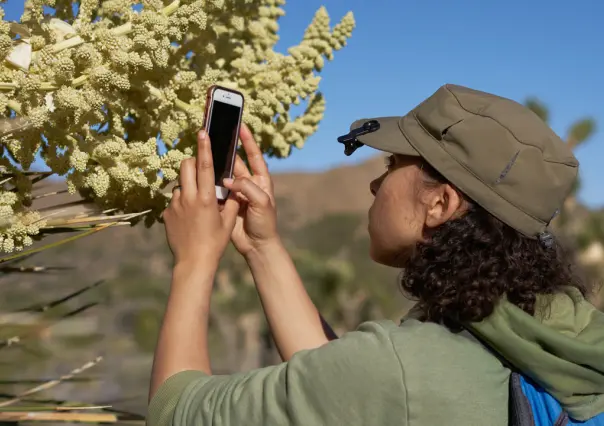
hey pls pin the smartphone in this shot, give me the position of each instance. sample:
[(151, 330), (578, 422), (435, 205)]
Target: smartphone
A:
[(222, 120)]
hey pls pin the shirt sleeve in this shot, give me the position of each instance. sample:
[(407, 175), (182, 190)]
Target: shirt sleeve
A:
[(356, 379)]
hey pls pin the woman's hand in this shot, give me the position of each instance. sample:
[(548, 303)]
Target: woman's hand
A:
[(197, 228), (293, 318), (256, 225)]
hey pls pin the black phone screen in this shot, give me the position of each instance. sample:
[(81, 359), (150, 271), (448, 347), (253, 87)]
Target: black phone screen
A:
[(223, 126)]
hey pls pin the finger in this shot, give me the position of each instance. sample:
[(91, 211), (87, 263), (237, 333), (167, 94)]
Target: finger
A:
[(240, 170), (222, 205), (255, 195), (174, 200), (253, 152), (205, 168), (239, 198), (175, 194), (228, 183), (187, 178), (229, 213)]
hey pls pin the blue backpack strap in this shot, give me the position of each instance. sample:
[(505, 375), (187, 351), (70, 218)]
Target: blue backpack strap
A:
[(519, 407), (546, 410), (525, 397)]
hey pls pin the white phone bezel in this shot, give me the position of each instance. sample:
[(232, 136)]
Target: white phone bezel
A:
[(230, 98)]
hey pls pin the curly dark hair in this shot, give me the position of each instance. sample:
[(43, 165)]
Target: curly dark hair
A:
[(466, 265)]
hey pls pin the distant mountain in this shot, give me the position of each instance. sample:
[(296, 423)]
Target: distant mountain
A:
[(307, 196)]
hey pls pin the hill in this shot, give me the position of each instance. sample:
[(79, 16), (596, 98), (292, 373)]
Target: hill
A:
[(307, 196)]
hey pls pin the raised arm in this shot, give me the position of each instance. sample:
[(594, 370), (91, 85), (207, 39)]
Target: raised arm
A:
[(295, 322), (292, 316), (197, 232)]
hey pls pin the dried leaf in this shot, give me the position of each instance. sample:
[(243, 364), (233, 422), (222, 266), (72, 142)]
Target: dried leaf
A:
[(20, 55), (52, 383), (60, 28), (55, 244), (20, 29), (46, 306), (37, 328), (31, 269), (13, 125), (26, 416), (91, 220)]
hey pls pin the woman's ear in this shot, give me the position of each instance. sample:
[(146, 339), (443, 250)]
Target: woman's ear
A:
[(444, 204)]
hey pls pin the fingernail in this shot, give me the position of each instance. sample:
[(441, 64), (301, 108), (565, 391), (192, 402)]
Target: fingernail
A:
[(228, 181), (202, 134)]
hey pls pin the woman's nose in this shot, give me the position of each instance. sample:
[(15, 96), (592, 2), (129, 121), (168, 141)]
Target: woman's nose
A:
[(374, 186)]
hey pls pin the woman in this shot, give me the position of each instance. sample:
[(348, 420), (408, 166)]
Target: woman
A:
[(471, 185)]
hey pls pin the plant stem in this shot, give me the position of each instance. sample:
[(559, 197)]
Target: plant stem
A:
[(76, 82), (15, 106), (121, 30), (182, 105)]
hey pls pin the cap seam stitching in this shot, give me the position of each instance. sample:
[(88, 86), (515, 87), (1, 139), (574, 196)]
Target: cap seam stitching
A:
[(512, 133), (471, 172)]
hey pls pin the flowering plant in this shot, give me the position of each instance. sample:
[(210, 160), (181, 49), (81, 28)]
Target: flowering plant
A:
[(110, 94)]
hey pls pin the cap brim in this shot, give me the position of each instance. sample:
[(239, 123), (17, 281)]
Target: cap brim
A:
[(388, 138)]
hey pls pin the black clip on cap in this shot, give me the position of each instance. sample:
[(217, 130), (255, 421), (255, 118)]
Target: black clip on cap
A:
[(350, 141)]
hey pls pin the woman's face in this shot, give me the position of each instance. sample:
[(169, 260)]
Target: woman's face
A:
[(403, 208)]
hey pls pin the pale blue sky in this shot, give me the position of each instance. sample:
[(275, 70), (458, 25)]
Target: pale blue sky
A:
[(402, 51)]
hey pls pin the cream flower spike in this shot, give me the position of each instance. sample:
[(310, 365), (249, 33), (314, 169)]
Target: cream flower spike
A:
[(111, 98)]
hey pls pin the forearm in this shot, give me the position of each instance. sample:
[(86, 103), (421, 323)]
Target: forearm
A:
[(293, 318), (183, 338)]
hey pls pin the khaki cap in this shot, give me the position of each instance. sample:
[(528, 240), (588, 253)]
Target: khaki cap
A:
[(496, 151)]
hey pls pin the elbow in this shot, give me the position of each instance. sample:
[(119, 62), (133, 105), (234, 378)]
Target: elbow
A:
[(164, 400)]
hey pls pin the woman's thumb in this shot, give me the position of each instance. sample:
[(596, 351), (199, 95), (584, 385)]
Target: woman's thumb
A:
[(255, 195)]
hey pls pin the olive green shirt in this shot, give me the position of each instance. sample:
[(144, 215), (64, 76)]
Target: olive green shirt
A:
[(412, 374), (382, 374)]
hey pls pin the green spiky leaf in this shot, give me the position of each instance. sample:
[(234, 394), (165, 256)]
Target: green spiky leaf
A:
[(582, 130), (538, 108)]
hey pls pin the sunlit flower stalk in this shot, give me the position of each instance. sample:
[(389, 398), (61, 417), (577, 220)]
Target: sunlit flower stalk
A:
[(112, 98)]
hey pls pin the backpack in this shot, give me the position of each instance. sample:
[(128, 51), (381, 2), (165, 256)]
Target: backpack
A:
[(530, 404)]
